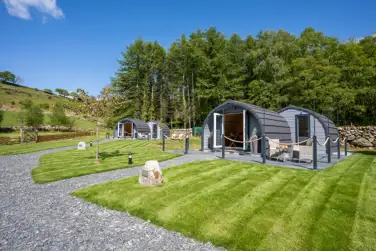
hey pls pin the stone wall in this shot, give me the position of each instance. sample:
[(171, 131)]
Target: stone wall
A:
[(359, 136)]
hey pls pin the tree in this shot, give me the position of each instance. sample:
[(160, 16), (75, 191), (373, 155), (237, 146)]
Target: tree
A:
[(62, 92), (58, 117), (1, 114), (49, 91), (32, 116), (74, 95), (7, 76)]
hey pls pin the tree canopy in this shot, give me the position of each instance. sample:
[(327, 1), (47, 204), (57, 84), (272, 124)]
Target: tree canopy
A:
[(62, 92), (272, 70)]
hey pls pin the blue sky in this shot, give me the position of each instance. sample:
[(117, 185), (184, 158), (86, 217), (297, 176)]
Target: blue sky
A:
[(71, 44)]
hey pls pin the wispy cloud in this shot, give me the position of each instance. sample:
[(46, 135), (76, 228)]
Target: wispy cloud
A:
[(20, 8), (44, 20)]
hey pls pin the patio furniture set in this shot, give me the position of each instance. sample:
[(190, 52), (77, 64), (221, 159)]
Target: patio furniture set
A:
[(282, 152)]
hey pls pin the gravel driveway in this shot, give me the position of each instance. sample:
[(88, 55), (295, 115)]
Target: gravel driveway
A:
[(47, 217)]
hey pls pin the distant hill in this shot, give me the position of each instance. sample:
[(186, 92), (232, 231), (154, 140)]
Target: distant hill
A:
[(11, 95)]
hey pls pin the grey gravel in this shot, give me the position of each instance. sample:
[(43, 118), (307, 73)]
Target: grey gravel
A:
[(47, 217)]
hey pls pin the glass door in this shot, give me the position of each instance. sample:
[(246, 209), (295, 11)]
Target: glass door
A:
[(218, 129), (121, 130)]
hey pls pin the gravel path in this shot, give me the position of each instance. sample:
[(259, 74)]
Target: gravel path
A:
[(47, 217)]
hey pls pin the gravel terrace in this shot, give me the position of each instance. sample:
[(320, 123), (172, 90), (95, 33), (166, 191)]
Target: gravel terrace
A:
[(47, 217)]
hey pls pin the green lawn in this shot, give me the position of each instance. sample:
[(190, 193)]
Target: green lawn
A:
[(113, 155), (244, 206), (36, 147)]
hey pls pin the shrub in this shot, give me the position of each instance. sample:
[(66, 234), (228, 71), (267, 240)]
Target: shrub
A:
[(44, 106), (26, 104), (58, 116), (49, 97), (13, 103)]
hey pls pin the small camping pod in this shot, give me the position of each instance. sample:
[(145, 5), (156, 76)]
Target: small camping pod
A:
[(158, 129), (131, 128), (304, 123), (239, 121)]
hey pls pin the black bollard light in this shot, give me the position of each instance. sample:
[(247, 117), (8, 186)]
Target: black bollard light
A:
[(345, 146), (130, 158), (91, 143)]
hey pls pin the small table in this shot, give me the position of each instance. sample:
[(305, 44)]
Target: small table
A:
[(283, 154)]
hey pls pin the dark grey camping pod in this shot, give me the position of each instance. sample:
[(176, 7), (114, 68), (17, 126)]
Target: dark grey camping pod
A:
[(240, 121), (304, 123), (158, 129), (131, 128)]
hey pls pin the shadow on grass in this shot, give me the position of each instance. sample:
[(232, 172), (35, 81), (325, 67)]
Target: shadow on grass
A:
[(365, 152), (105, 155)]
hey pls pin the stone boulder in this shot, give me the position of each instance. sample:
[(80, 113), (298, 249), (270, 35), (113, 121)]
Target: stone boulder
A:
[(351, 138), (150, 174), (362, 142)]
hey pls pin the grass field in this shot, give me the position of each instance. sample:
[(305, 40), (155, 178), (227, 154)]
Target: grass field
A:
[(244, 206), (11, 119), (113, 155), (36, 147)]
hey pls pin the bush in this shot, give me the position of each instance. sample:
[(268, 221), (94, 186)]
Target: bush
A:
[(45, 106), (26, 104), (13, 103), (49, 97)]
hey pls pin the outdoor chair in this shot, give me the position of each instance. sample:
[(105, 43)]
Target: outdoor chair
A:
[(273, 151), (303, 152)]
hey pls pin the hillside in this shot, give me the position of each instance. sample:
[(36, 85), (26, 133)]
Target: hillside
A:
[(11, 96)]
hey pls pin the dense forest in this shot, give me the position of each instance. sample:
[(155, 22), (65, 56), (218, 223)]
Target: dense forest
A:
[(273, 69)]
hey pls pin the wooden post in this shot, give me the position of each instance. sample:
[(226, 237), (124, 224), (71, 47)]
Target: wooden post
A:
[(97, 151), (345, 146), (314, 154), (223, 145), (329, 150), (339, 147), (263, 149)]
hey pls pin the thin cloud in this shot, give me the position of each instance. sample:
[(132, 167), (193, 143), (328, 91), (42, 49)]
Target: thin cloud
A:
[(20, 8), (44, 20)]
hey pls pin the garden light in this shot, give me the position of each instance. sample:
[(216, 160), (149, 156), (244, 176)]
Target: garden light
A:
[(130, 158), (91, 143)]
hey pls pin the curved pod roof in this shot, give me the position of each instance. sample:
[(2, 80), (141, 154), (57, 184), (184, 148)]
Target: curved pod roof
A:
[(140, 125), (271, 123), (326, 123)]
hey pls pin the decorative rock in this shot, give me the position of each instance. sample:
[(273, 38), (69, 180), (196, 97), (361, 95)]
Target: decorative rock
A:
[(150, 174), (362, 142), (351, 138), (81, 146)]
